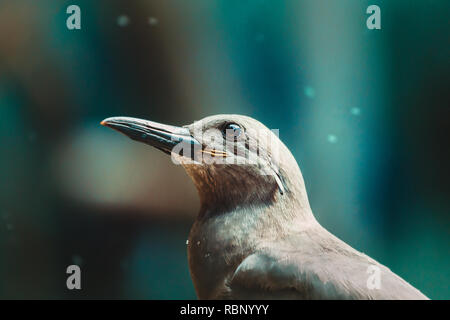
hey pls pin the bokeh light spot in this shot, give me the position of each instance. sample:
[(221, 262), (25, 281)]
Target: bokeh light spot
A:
[(153, 21), (355, 111), (332, 138), (309, 92), (123, 21)]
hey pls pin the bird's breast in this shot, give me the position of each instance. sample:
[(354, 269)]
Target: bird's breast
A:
[(214, 252)]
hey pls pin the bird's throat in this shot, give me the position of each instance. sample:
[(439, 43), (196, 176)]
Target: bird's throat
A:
[(225, 190)]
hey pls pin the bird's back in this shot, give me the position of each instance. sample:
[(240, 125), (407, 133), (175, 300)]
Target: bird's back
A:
[(314, 264)]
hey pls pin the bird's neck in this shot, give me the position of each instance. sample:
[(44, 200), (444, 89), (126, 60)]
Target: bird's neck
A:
[(223, 190), (230, 190), (220, 240)]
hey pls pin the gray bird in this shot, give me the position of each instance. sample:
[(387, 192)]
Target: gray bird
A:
[(255, 236)]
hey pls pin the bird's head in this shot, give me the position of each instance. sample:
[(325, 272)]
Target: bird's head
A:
[(234, 160)]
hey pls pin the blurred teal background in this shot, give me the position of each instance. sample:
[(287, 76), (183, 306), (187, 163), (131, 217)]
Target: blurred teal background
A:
[(365, 113)]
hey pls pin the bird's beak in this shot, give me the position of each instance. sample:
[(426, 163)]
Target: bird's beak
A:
[(161, 136)]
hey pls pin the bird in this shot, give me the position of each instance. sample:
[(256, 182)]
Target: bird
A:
[(255, 236)]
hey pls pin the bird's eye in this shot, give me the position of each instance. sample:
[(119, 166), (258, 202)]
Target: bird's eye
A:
[(232, 131)]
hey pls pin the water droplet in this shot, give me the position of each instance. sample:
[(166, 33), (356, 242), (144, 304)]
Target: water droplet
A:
[(355, 111), (77, 260), (187, 241), (152, 21), (198, 243), (309, 92), (123, 21), (207, 255), (332, 138)]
